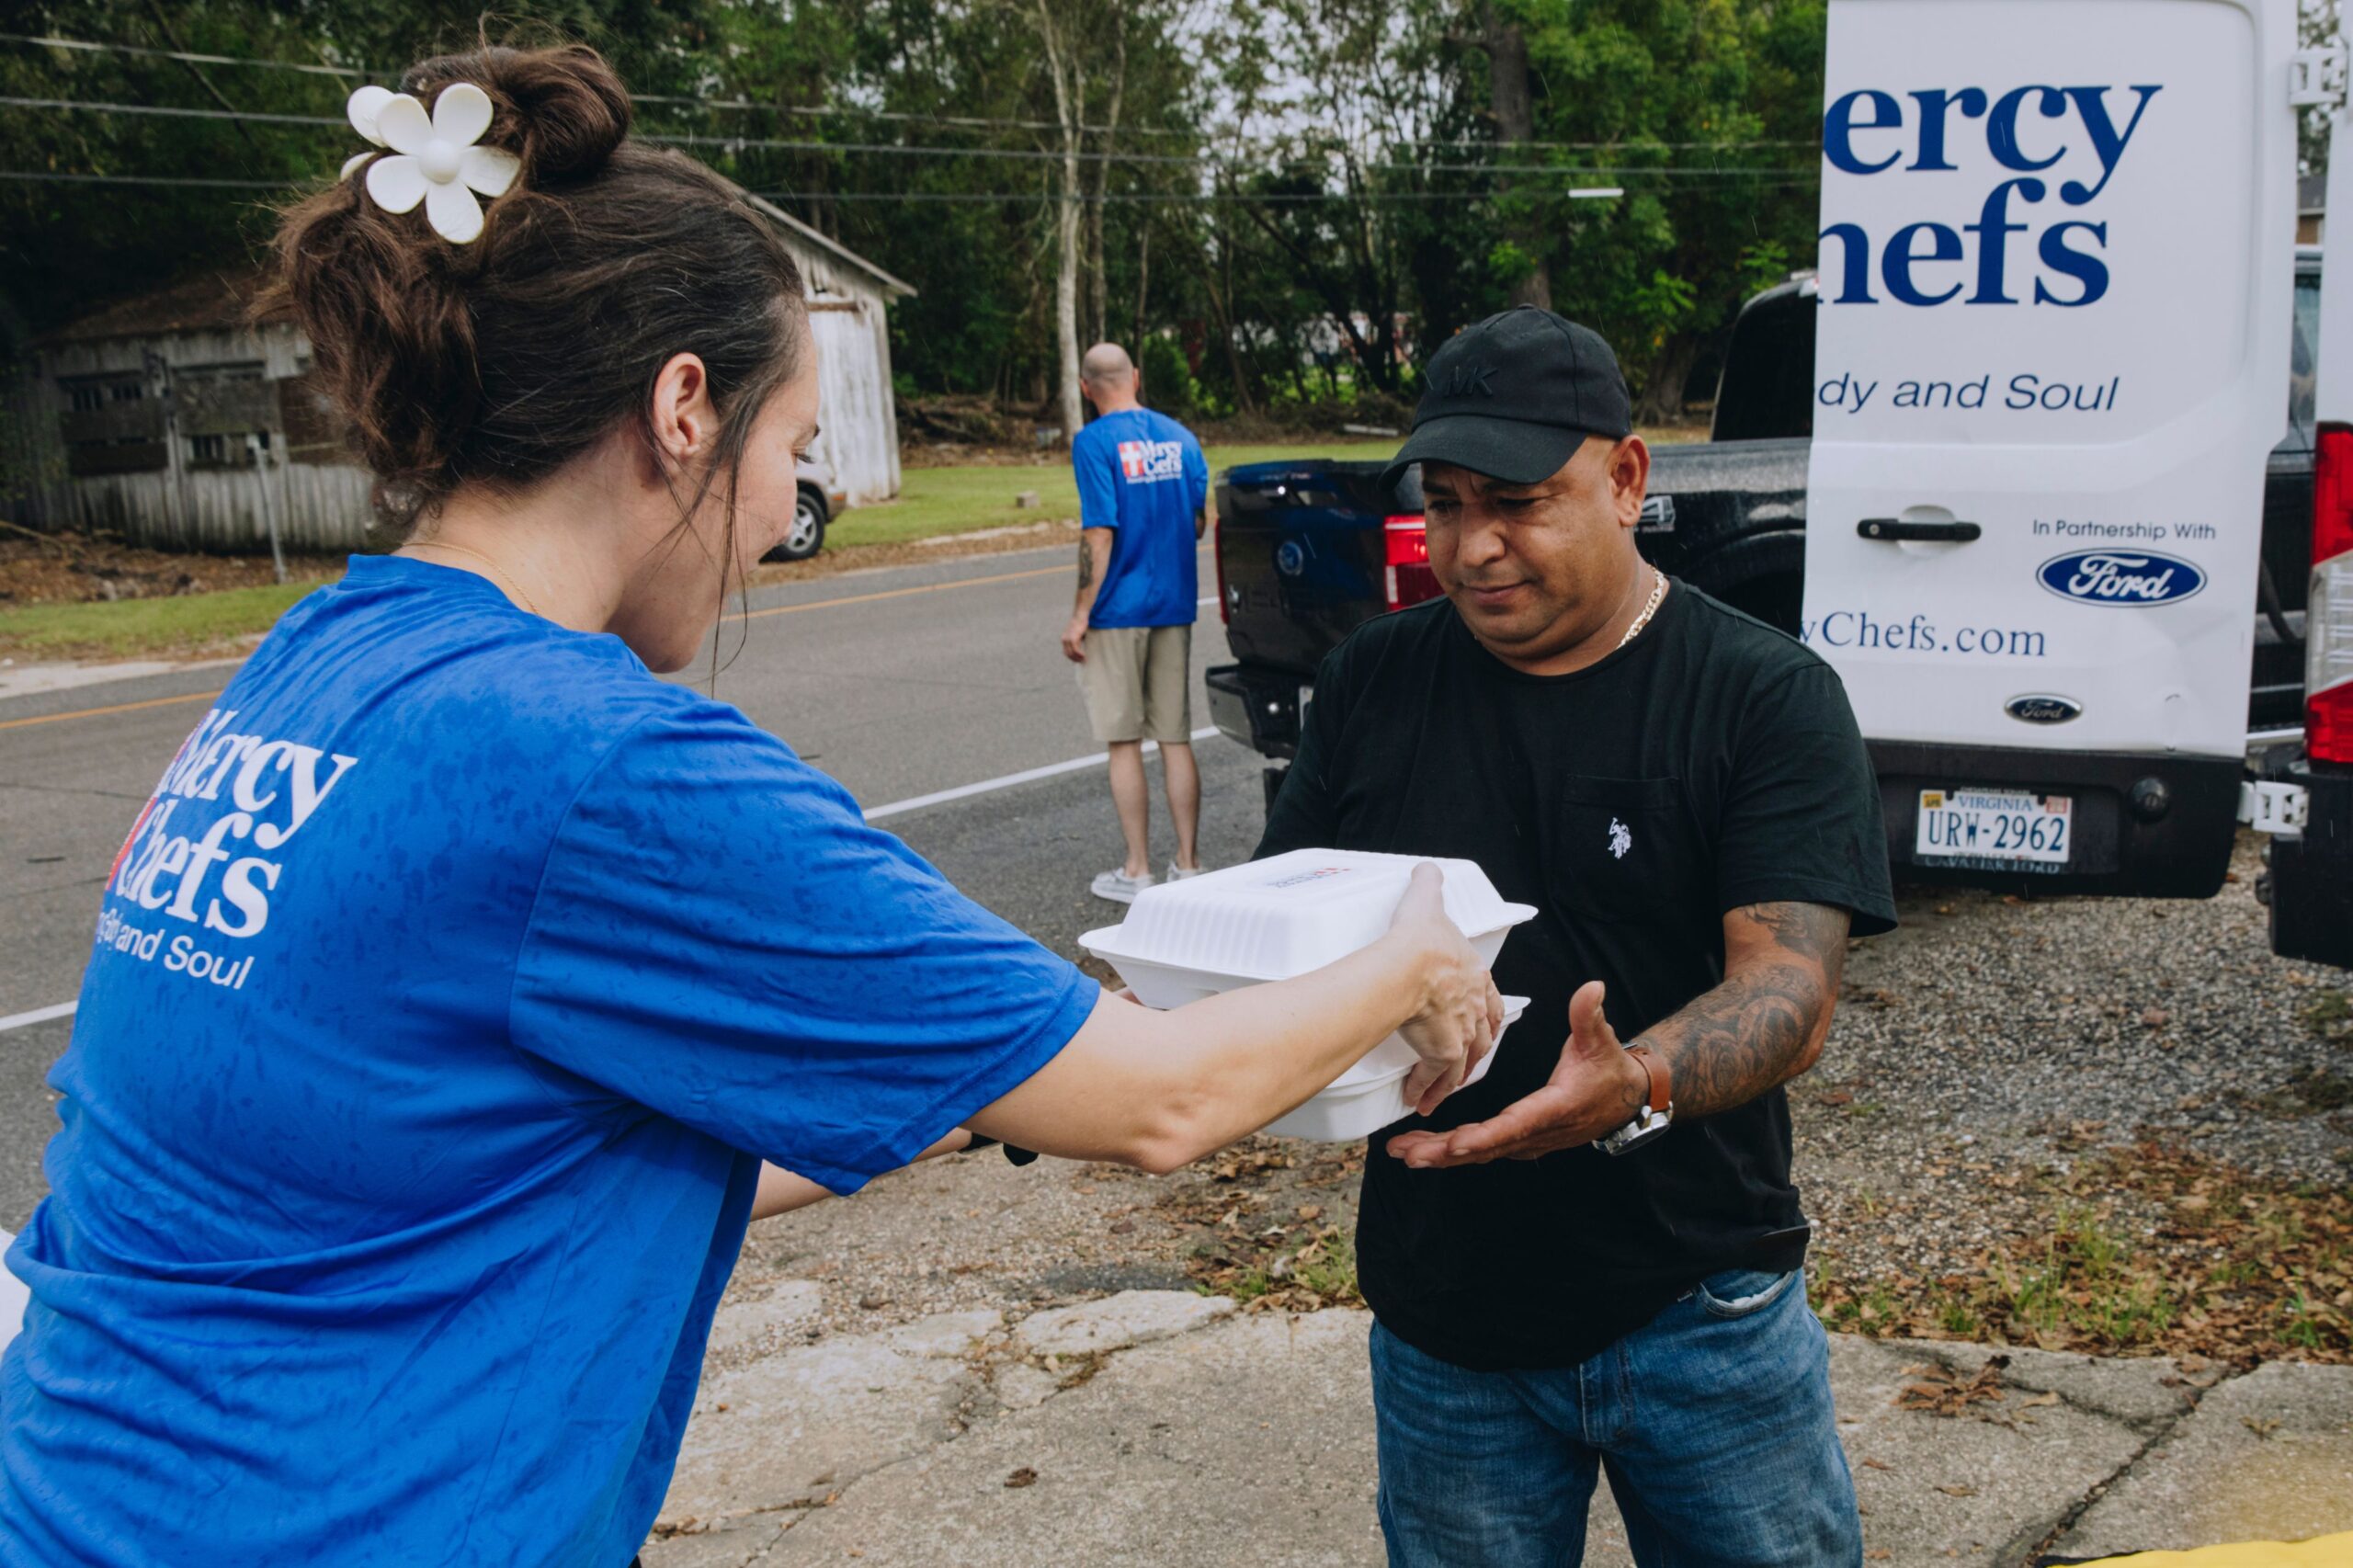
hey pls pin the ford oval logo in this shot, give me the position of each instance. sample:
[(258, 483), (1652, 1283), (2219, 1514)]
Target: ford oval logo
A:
[(1290, 558), (2042, 708), (2120, 578)]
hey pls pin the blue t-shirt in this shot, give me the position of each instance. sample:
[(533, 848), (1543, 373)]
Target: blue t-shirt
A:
[(441, 1003), (1143, 474)]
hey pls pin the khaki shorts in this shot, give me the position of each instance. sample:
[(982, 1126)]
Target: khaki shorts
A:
[(1138, 681)]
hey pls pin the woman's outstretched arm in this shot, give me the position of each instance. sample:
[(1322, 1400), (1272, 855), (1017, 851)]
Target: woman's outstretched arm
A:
[(780, 1191), (1159, 1090)]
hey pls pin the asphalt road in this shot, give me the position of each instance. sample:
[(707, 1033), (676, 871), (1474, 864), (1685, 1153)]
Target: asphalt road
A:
[(902, 683)]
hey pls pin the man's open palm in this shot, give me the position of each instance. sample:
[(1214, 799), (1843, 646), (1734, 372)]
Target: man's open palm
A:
[(1593, 1092)]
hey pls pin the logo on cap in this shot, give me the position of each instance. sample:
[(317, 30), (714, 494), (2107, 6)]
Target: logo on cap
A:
[(1464, 380)]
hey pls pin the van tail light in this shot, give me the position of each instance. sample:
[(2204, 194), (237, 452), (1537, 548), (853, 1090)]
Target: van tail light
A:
[(1217, 553), (2328, 608), (1409, 578)]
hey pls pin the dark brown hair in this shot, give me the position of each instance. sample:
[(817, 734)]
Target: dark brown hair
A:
[(498, 361)]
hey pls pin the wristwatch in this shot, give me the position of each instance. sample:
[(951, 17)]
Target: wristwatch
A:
[(1653, 1118)]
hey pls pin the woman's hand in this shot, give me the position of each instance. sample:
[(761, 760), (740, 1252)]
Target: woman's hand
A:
[(1461, 1010)]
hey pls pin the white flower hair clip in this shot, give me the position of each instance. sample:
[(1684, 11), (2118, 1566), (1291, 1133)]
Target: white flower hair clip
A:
[(435, 160)]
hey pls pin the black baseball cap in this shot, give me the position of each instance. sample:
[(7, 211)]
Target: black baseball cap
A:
[(1515, 396)]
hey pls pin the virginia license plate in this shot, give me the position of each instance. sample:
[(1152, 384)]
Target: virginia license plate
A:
[(1994, 827)]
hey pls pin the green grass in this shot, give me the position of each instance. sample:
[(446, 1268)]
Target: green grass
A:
[(127, 628), (1326, 1266), (932, 502), (936, 501)]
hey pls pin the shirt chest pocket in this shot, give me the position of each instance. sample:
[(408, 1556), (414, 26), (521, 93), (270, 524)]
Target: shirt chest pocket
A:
[(1627, 850)]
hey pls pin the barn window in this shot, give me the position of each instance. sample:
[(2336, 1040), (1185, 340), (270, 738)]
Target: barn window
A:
[(111, 426), (220, 451), (222, 408)]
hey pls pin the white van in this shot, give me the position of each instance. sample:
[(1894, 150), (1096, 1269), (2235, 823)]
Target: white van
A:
[(2057, 256)]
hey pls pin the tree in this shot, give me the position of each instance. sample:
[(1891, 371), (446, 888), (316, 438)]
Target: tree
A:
[(1707, 112)]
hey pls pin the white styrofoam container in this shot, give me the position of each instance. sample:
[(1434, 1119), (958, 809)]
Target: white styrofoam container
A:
[(1372, 1095), (1281, 917), (1276, 918)]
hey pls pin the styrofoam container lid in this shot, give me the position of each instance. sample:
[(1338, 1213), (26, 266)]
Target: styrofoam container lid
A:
[(1276, 918)]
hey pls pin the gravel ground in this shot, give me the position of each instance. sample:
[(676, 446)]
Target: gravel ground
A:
[(1983, 1048), (1988, 1042)]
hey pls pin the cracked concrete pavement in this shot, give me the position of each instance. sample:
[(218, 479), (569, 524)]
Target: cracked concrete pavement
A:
[(1157, 1426)]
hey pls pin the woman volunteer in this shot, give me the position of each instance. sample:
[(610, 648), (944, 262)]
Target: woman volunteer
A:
[(448, 992)]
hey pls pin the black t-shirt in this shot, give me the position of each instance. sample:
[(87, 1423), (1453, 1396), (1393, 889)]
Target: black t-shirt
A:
[(1711, 763)]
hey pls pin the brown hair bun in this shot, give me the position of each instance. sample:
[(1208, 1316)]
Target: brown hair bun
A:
[(564, 112), (496, 362)]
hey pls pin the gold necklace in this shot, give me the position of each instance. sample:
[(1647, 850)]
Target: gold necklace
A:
[(496, 571), (1650, 609)]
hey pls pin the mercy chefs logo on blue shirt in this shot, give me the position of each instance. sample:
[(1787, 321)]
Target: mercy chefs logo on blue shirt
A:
[(1143, 473), (274, 786), (443, 1001)]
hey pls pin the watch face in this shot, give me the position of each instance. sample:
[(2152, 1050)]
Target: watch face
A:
[(1647, 1124)]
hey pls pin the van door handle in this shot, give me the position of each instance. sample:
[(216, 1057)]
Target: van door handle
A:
[(1896, 529)]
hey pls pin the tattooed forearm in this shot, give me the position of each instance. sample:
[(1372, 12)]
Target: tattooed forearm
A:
[(1815, 932), (1764, 1025), (1086, 563)]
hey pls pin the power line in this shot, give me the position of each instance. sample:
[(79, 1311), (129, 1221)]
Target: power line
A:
[(892, 149), (1139, 198), (826, 111), (85, 46), (95, 47), (1025, 154), (1262, 198), (172, 111), (46, 174)]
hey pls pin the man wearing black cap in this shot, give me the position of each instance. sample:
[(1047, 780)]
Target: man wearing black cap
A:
[(1593, 1258)]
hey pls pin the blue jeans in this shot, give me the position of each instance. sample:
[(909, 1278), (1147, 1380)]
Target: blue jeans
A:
[(1714, 1421)]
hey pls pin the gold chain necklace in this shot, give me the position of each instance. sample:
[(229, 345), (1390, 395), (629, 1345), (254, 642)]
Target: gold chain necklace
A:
[(1650, 609), (496, 571)]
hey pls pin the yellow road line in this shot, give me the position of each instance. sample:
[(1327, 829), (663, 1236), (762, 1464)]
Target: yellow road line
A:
[(117, 707), (902, 593), (755, 615)]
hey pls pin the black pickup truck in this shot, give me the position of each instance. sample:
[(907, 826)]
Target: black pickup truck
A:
[(1309, 549)]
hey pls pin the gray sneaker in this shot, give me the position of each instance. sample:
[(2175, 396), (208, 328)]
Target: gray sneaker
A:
[(1178, 874), (1118, 887)]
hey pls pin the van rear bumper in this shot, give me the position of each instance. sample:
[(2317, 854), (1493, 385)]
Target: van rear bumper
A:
[(2146, 826)]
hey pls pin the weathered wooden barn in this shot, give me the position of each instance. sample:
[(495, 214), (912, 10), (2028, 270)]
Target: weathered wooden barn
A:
[(849, 303), (173, 421)]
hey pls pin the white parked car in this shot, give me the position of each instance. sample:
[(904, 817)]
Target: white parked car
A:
[(820, 497)]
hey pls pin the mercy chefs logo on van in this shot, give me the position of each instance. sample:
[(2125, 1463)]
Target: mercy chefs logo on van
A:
[(213, 876), (2118, 577), (2007, 140), (1866, 131)]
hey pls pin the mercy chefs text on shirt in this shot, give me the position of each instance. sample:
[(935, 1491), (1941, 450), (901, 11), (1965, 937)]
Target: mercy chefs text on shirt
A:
[(195, 893), (1142, 474)]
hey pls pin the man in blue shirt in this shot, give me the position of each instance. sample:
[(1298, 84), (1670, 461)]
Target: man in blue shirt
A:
[(1143, 491)]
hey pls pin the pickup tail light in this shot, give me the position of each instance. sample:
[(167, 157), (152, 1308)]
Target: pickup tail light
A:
[(1408, 577), (2328, 608)]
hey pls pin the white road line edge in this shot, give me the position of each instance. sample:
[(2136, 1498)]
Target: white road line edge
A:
[(1027, 775), (914, 804)]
